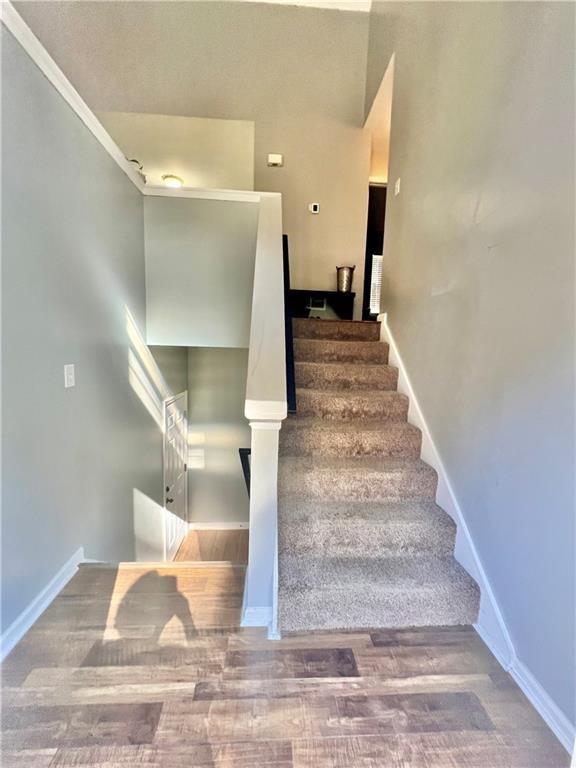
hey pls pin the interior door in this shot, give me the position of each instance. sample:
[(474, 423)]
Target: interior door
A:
[(175, 469)]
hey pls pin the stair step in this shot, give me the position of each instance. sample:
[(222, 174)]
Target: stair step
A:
[(329, 350), (354, 593), (347, 404), (302, 436), (313, 328), (366, 478), (340, 376), (369, 529)]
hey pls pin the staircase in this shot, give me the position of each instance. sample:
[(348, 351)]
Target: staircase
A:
[(362, 542)]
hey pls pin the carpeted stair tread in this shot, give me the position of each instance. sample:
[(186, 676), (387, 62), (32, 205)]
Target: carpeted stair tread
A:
[(311, 436), (334, 350), (345, 376), (364, 478), (352, 593), (368, 529), (313, 328), (368, 404)]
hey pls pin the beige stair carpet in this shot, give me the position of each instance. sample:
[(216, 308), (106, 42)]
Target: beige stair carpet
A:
[(362, 542)]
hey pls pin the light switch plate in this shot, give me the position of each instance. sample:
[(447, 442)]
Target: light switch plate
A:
[(314, 207), (69, 376), (397, 188)]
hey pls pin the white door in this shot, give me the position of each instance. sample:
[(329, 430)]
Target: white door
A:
[(175, 479)]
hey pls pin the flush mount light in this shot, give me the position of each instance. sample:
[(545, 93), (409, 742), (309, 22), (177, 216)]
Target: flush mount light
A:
[(175, 182)]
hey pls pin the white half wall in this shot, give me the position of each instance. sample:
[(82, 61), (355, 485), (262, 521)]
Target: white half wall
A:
[(199, 271)]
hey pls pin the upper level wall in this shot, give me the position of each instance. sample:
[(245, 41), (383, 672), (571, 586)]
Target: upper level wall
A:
[(480, 292), (74, 459), (298, 73), (199, 271)]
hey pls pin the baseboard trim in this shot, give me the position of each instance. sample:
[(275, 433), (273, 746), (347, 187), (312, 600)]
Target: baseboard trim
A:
[(490, 625), (234, 526), (258, 616), (550, 713), (33, 611)]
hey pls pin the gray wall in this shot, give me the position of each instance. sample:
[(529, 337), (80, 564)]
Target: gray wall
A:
[(297, 72), (73, 261), (217, 429), (199, 278), (173, 363), (480, 291)]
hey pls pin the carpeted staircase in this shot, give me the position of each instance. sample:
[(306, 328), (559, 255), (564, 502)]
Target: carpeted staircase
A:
[(362, 542)]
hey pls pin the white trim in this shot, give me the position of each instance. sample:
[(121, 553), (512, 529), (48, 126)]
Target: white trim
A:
[(257, 616), (266, 410), (490, 625), (224, 526), (231, 195), (32, 612), (40, 56), (554, 717)]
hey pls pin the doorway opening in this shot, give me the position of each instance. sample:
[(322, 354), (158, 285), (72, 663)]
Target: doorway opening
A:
[(378, 124)]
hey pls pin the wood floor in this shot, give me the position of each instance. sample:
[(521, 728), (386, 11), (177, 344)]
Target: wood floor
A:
[(137, 666), (230, 546)]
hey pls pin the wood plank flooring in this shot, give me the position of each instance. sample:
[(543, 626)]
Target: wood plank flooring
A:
[(139, 666), (228, 546)]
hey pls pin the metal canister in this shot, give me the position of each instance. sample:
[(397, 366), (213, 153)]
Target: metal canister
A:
[(344, 277)]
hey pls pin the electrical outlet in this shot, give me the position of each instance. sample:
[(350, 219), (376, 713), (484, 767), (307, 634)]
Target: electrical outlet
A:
[(69, 376)]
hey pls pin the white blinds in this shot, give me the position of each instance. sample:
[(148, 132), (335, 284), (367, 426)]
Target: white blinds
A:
[(375, 284)]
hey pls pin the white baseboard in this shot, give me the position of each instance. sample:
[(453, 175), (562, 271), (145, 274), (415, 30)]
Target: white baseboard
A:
[(237, 526), (257, 616), (29, 615), (490, 625), (555, 719)]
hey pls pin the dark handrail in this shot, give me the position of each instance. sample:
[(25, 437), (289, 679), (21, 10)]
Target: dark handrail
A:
[(245, 461), (290, 374)]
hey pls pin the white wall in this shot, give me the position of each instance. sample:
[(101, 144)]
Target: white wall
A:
[(216, 154), (199, 271), (217, 429), (480, 293), (76, 463)]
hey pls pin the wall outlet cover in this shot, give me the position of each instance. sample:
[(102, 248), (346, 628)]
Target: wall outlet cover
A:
[(275, 160)]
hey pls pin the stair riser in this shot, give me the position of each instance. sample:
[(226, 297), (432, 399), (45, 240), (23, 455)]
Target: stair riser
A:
[(351, 407), (305, 328), (327, 351), (361, 485), (350, 538), (418, 609), (329, 376), (321, 442)]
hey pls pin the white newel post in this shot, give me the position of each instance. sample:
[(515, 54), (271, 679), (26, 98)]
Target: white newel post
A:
[(265, 408), (261, 574)]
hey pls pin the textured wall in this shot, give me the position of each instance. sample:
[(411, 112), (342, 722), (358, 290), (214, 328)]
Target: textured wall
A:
[(77, 462), (480, 289), (297, 72)]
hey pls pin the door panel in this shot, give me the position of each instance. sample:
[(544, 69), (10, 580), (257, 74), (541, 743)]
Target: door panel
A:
[(175, 481)]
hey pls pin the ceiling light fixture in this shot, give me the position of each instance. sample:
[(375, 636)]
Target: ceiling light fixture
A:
[(175, 182)]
